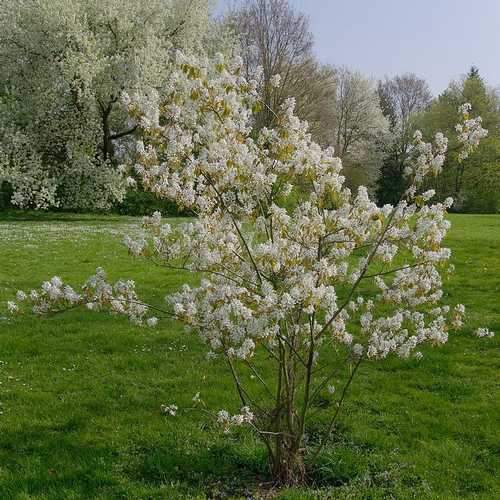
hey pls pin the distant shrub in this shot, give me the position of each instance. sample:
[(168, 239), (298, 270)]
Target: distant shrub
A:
[(139, 202)]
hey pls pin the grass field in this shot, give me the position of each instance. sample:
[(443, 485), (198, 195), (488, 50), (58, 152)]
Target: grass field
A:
[(80, 393)]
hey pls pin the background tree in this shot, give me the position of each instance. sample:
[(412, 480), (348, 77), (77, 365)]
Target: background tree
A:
[(65, 64), (358, 126), (313, 86), (275, 39), (401, 99), (341, 106)]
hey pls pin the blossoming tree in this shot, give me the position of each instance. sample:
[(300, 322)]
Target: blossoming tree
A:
[(302, 280), (64, 64)]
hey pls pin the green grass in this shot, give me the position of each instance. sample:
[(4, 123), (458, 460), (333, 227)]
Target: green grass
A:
[(80, 393)]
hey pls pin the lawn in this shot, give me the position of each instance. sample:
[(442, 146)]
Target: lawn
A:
[(80, 393)]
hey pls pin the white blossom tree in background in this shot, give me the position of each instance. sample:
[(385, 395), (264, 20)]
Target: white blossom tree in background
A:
[(402, 97), (64, 65), (293, 299), (359, 126)]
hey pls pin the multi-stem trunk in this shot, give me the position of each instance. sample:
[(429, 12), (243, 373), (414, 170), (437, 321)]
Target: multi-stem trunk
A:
[(287, 467), (287, 452)]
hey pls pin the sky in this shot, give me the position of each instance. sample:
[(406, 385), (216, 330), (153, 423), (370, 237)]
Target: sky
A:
[(436, 39)]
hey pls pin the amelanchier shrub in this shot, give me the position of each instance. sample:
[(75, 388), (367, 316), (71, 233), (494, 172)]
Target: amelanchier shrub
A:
[(291, 297)]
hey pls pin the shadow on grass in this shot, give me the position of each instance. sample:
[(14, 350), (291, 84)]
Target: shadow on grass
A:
[(219, 470), (55, 460), (39, 216), (87, 217), (51, 461), (48, 460)]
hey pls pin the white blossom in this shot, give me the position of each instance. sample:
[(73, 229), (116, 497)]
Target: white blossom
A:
[(483, 332), (152, 322), (227, 421), (12, 307), (275, 81), (170, 410)]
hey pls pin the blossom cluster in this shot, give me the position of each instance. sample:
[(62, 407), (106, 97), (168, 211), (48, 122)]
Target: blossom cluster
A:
[(470, 132), (228, 421), (96, 294), (22, 168), (428, 158), (170, 410)]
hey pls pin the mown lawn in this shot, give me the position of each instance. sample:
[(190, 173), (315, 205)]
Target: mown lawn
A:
[(80, 393)]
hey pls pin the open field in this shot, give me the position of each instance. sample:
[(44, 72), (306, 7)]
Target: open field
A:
[(80, 393)]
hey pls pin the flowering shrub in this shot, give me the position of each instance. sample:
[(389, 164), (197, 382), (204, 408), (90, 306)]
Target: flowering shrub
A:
[(289, 294)]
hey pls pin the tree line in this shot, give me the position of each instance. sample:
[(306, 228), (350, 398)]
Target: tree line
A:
[(64, 131)]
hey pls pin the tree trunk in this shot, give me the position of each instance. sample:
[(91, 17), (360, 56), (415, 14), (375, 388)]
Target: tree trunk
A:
[(286, 459), (287, 465), (107, 144)]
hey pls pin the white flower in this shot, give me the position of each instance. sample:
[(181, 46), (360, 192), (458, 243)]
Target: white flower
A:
[(227, 420), (12, 307), (222, 416), (170, 410), (275, 81), (56, 282), (357, 350), (465, 108), (484, 332), (247, 415), (152, 322)]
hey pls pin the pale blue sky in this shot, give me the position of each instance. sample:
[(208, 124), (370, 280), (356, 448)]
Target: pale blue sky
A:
[(436, 39)]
